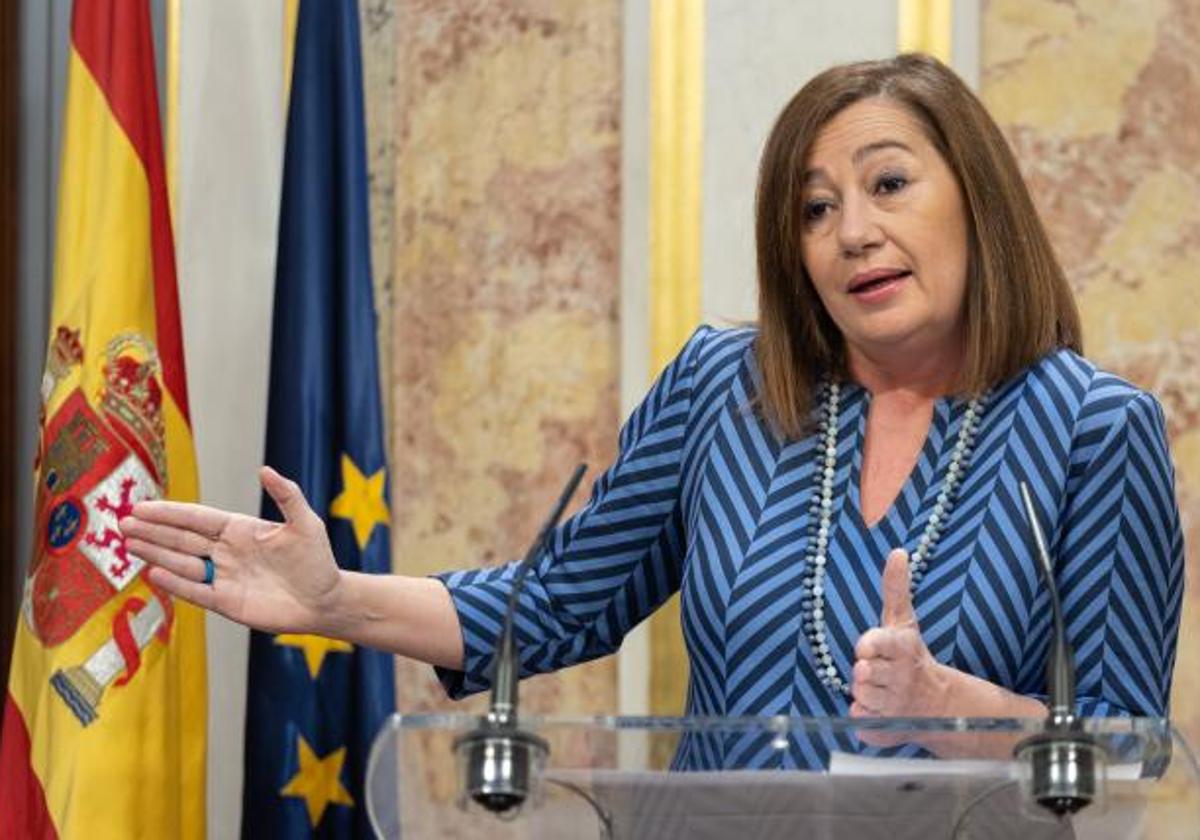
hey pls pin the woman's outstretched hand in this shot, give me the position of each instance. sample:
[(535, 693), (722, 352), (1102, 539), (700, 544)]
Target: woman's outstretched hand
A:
[(269, 575)]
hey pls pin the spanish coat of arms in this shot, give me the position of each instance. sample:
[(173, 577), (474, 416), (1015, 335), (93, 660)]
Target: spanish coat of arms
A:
[(95, 460)]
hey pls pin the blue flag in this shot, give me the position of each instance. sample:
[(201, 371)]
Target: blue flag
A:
[(315, 704)]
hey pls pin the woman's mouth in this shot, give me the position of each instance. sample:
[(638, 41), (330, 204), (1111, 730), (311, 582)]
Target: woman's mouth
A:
[(875, 285)]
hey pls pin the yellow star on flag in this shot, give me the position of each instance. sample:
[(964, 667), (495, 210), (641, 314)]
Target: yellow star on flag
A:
[(318, 781), (314, 648), (361, 501)]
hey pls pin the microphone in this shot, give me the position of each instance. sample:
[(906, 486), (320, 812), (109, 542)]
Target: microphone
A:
[(497, 756), (1061, 759)]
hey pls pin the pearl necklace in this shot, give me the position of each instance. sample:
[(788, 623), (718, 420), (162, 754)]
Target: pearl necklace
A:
[(816, 554)]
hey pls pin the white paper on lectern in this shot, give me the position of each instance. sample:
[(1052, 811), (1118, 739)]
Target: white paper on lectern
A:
[(854, 764)]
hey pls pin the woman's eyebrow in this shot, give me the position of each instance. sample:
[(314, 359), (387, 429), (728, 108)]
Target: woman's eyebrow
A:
[(862, 152)]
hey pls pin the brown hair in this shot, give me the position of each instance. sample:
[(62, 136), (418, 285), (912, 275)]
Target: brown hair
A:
[(1018, 304)]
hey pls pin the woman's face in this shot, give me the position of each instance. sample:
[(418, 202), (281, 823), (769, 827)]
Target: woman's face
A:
[(884, 235)]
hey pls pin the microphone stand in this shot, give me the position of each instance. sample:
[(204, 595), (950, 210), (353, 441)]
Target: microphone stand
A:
[(498, 757), (1062, 759)]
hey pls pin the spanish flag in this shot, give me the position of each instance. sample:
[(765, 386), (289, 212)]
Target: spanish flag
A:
[(104, 722)]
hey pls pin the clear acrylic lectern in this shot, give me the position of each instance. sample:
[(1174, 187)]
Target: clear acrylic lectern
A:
[(767, 778)]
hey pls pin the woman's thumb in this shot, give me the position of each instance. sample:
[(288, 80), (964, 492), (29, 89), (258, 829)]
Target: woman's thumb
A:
[(285, 493)]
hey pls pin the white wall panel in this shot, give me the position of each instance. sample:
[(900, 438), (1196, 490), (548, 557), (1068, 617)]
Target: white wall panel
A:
[(758, 55), (231, 128)]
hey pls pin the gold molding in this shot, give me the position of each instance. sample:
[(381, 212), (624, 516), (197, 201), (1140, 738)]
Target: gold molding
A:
[(676, 163), (676, 149), (926, 26), (291, 13)]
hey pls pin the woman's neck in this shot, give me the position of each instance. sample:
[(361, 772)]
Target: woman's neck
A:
[(923, 375)]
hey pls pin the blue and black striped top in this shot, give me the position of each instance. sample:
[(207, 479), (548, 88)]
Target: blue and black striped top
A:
[(704, 498)]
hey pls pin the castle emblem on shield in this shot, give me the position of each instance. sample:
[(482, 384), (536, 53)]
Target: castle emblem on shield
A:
[(96, 460)]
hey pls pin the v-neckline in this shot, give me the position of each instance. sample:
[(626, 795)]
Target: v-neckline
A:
[(916, 484)]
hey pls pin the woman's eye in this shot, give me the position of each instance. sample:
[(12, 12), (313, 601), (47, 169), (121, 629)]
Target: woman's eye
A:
[(814, 210), (888, 184)]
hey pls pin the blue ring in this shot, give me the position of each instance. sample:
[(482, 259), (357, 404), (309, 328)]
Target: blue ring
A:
[(210, 570)]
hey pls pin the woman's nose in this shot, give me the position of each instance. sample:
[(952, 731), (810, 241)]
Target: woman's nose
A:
[(858, 230)]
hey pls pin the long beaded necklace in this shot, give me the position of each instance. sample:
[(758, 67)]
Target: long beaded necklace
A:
[(816, 554)]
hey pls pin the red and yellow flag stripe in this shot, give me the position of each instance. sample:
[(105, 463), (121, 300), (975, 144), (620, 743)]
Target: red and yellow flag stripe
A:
[(104, 725)]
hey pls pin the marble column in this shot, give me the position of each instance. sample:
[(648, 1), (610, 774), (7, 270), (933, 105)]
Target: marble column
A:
[(503, 297)]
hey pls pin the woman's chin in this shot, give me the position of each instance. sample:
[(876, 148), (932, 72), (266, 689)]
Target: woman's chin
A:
[(906, 338), (889, 337)]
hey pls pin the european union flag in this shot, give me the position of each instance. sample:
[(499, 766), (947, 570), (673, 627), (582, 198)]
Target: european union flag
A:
[(314, 704)]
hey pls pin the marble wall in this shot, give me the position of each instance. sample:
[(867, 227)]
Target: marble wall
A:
[(495, 153), (1101, 101), (504, 289)]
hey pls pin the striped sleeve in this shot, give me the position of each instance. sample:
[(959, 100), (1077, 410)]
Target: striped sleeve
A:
[(1120, 557), (609, 566)]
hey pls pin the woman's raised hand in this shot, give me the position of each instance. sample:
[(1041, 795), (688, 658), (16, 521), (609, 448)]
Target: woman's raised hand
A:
[(895, 675), (268, 575)]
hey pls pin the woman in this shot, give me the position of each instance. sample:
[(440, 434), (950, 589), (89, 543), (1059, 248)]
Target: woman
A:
[(836, 492)]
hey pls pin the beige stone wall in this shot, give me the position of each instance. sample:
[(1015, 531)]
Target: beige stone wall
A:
[(504, 333), (1101, 101)]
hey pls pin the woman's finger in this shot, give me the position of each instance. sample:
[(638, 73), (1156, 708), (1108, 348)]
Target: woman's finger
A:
[(183, 565), (877, 643), (166, 536), (878, 700), (200, 594), (877, 671), (882, 738), (198, 518), (858, 710)]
